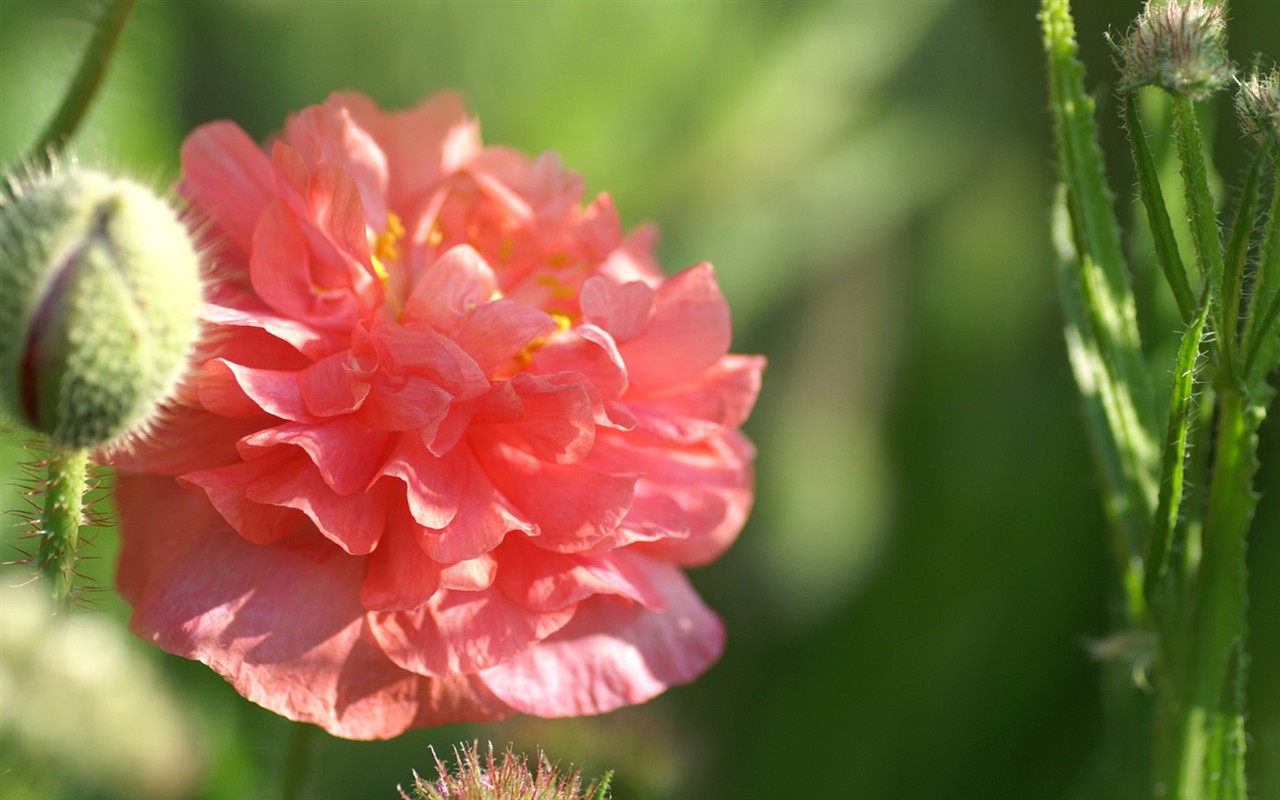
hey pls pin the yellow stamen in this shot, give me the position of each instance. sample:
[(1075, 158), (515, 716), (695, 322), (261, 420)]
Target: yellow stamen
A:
[(563, 323), (558, 289), (386, 247)]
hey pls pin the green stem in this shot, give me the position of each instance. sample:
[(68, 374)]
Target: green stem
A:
[(1261, 328), (1200, 214), (86, 82), (1211, 710), (60, 520), (1166, 244)]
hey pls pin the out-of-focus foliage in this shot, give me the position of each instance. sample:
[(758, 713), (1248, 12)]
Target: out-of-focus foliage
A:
[(907, 607)]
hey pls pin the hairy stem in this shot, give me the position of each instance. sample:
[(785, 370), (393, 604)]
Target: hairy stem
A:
[(60, 520), (75, 104)]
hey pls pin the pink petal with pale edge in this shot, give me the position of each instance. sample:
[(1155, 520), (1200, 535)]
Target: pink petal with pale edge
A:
[(717, 401), (544, 581), (711, 484), (455, 284), (233, 390), (259, 523), (614, 652), (306, 339), (624, 310), (398, 575), (555, 421), (228, 178), (281, 623), (689, 331), (462, 632), (496, 332), (354, 522), (348, 454), (574, 506)]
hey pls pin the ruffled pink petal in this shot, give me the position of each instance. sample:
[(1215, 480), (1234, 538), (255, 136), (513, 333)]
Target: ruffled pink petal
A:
[(228, 179), (555, 419), (420, 145), (588, 350), (338, 240), (712, 483), (473, 575), (233, 390), (353, 522), (622, 309), (302, 336), (405, 403), (574, 506), (281, 623), (331, 386), (614, 653), (633, 260), (347, 454), (483, 519), (688, 333), (462, 632), (399, 576), (498, 331), (459, 281), (421, 350), (225, 487), (288, 276), (544, 581), (719, 400), (329, 133), (184, 439), (434, 487)]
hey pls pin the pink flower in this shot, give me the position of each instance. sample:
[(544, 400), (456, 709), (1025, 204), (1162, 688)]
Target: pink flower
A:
[(450, 441)]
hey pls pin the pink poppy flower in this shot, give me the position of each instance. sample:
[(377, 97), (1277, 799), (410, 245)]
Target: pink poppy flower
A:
[(450, 439)]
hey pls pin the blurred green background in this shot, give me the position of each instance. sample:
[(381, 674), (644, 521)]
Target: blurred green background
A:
[(908, 607)]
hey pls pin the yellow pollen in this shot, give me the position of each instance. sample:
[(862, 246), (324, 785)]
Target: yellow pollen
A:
[(563, 323), (386, 246), (558, 290), (436, 236)]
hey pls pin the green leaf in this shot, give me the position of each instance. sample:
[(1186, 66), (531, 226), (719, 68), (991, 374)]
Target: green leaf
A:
[(1102, 331)]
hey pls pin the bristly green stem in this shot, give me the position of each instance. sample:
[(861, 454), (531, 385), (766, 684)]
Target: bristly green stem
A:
[(60, 520), (1166, 245), (1204, 224), (75, 104), (1262, 322)]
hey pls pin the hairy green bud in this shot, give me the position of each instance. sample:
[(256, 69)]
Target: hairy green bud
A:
[(99, 300), (1178, 45), (1258, 104)]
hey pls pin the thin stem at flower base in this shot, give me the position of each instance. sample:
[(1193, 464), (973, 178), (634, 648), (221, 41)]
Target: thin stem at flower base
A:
[(75, 104), (60, 520)]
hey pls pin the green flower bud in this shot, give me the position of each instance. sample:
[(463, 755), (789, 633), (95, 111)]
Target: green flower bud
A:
[(99, 296), (1258, 104), (1178, 45)]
